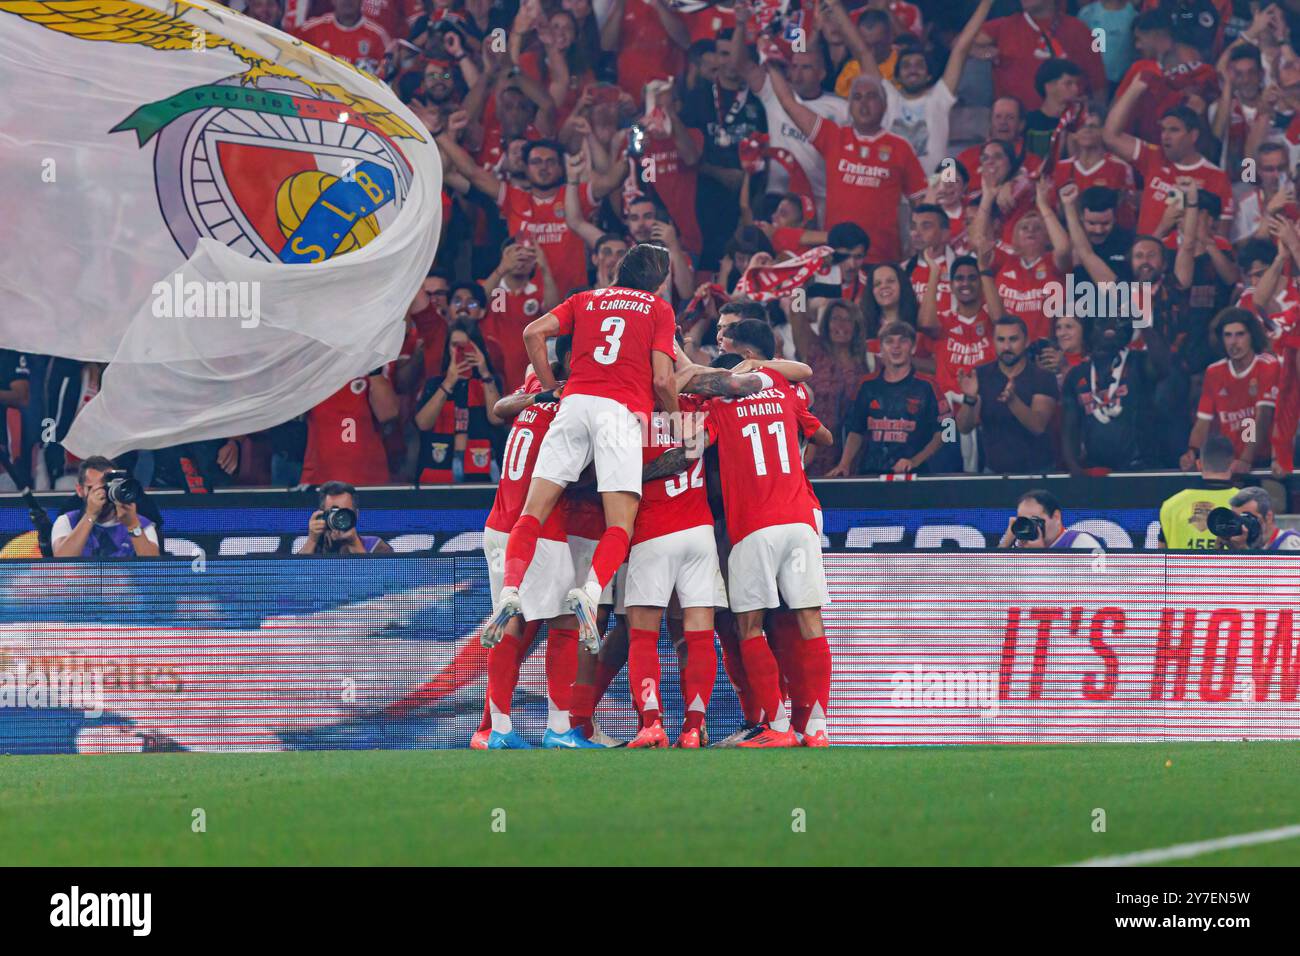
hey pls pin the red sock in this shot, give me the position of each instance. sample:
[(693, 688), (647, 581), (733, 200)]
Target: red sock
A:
[(698, 674), (611, 551), (503, 674), (520, 548), (764, 680), (734, 665), (581, 705), (561, 666), (643, 673), (815, 663), (782, 629)]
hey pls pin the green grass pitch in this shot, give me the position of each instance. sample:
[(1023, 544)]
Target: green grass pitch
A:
[(954, 806)]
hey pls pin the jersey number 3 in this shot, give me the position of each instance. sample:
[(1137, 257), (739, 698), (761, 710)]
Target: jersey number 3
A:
[(613, 326)]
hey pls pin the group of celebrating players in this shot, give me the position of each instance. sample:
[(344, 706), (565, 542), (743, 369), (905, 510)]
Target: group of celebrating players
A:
[(607, 503)]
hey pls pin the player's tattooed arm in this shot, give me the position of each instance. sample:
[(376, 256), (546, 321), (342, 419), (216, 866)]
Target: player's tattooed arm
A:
[(793, 372), (720, 383), (669, 463)]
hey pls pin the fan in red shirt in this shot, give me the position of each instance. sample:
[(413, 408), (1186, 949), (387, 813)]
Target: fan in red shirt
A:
[(350, 36), (773, 527), (343, 434), (869, 172), (1160, 166), (963, 335), (624, 353), (1024, 40), (519, 290), (668, 165), (1007, 124), (1090, 165), (1026, 276), (1284, 332), (651, 40), (1239, 393)]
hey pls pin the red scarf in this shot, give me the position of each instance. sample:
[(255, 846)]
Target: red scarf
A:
[(464, 413), (765, 283)]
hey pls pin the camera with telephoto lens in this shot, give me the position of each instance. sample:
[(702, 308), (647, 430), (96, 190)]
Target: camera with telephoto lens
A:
[(1028, 529), (121, 488), (342, 520), (1226, 523)]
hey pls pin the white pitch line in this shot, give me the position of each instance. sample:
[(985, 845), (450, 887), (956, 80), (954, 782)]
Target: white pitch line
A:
[(1183, 851)]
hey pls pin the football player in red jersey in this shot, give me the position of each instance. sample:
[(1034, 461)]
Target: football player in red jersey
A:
[(772, 522), (1239, 392), (623, 360)]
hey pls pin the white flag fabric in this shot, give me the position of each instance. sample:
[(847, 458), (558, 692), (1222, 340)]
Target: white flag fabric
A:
[(235, 221)]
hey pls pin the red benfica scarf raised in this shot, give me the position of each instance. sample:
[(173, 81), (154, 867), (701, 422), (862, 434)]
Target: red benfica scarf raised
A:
[(463, 413), (1069, 122), (765, 283), (755, 150)]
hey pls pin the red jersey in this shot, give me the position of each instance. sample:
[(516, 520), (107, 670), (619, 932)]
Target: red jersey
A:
[(526, 434), (508, 312), (763, 481), (364, 45), (1023, 289), (393, 16), (1024, 43), (615, 331), (1110, 171), (867, 179), (675, 183), (675, 503), (343, 441), (584, 515), (1165, 90), (1285, 336), (966, 341), (969, 158), (1158, 176), (645, 51), (1232, 397), (542, 220), (705, 24)]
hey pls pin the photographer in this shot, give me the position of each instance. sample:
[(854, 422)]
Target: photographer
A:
[(108, 525), (1039, 523), (333, 526), (1247, 524)]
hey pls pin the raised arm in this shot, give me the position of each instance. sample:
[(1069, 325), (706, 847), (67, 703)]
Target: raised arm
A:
[(1123, 144), (1059, 238), (803, 117), (1080, 248), (961, 47), (481, 179)]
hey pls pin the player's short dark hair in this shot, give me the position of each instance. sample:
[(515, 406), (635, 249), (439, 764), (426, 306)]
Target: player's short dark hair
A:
[(846, 235), (746, 310), (898, 328), (1217, 453), (1008, 318), (727, 360), (755, 333), (476, 290), (331, 488), (550, 144), (1253, 250), (1184, 114), (1232, 316), (1246, 51), (1052, 70), (1099, 199), (934, 209), (1049, 502), (93, 463), (644, 267), (963, 261), (563, 346)]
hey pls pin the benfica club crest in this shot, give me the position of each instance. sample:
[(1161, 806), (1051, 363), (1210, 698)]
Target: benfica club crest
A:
[(884, 154), (480, 456), (275, 173), (913, 406)]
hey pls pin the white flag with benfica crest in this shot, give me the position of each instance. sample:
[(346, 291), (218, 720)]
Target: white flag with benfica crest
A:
[(236, 222)]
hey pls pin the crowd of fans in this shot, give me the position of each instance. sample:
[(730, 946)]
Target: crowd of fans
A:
[(1102, 278)]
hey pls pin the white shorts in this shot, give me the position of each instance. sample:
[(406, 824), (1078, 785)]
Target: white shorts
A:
[(542, 593), (588, 428), (581, 551), (780, 563), (685, 562)]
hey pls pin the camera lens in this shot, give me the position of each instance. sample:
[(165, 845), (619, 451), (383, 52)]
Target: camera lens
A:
[(1224, 522), (341, 519), (1026, 529)]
